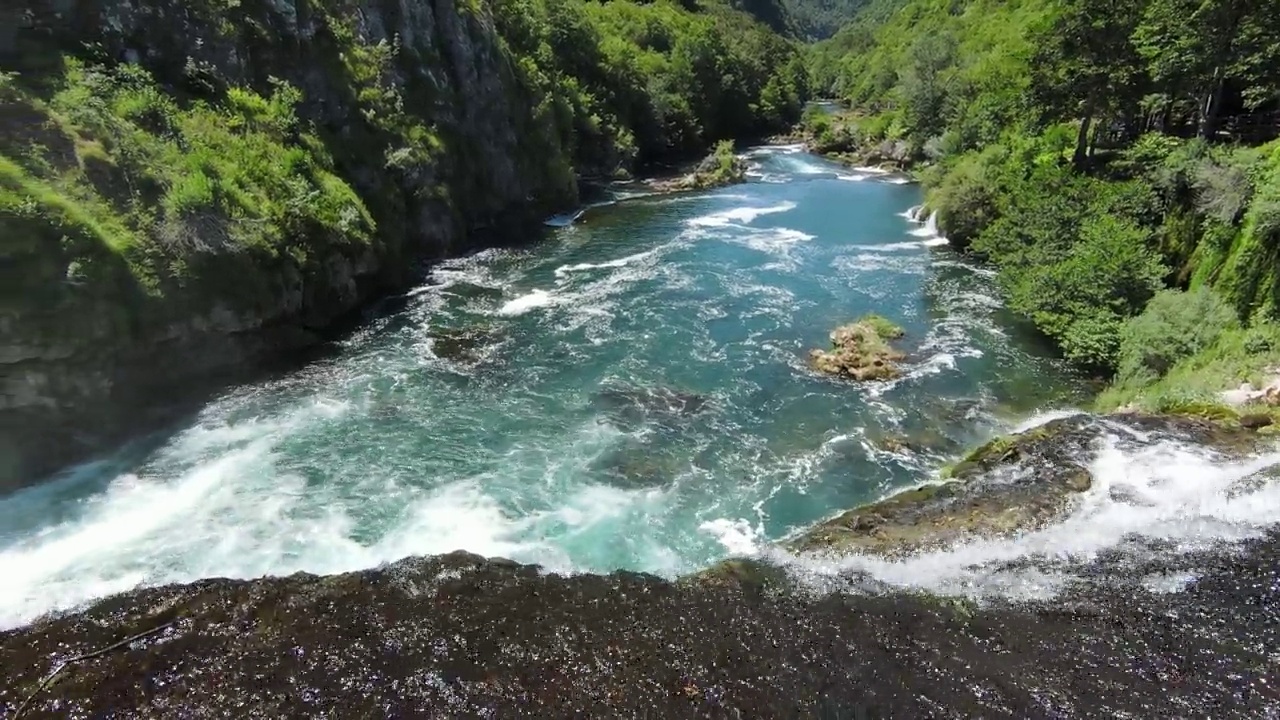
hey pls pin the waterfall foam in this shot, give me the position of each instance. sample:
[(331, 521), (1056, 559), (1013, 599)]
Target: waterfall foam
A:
[(527, 302), (1175, 494)]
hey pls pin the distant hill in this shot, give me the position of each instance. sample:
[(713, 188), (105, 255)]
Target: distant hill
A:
[(820, 19)]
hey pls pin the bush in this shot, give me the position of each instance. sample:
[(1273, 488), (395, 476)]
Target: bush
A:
[(1258, 340), (884, 327), (965, 198), (1175, 325), (1222, 191)]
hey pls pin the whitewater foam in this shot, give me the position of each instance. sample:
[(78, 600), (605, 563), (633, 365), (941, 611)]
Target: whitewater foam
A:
[(565, 270), (790, 149), (930, 228), (737, 537), (1167, 491), (744, 215), (526, 302)]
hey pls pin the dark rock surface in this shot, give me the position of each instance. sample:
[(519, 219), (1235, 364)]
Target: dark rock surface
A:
[(458, 636), (1012, 483)]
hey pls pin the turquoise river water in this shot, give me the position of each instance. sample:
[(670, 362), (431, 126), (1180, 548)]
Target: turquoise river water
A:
[(630, 392)]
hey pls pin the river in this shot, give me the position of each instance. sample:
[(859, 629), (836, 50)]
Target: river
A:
[(630, 392)]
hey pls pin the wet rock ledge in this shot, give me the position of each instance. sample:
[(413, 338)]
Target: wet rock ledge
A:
[(460, 636), (1010, 484)]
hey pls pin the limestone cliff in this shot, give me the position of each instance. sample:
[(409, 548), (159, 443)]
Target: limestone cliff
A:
[(474, 158)]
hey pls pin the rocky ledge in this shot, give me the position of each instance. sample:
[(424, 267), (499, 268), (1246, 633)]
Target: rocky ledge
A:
[(1012, 483), (718, 169), (463, 636)]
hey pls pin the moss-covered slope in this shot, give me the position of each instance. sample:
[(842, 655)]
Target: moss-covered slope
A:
[(187, 189)]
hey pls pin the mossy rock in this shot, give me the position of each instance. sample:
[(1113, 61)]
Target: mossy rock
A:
[(998, 451), (861, 351), (461, 345), (1256, 421), (884, 327), (1010, 484), (747, 573)]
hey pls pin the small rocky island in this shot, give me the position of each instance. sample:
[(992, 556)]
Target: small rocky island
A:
[(861, 351), (720, 168)]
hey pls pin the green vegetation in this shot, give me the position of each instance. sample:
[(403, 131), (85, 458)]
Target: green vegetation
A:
[(820, 19), (113, 192), (181, 184), (651, 81), (1104, 156), (1175, 325), (722, 167), (885, 328)]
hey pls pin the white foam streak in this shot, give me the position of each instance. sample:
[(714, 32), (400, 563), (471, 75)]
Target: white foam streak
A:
[(565, 270), (526, 302), (743, 215)]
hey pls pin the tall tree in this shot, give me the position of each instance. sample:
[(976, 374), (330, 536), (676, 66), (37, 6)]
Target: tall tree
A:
[(925, 84), (1195, 48), (1085, 66)]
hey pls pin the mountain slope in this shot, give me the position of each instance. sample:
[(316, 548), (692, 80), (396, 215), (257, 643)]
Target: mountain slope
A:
[(1096, 152), (187, 190)]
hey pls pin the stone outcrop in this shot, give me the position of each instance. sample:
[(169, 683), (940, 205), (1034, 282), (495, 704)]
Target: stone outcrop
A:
[(461, 636), (1012, 483), (861, 351), (722, 167)]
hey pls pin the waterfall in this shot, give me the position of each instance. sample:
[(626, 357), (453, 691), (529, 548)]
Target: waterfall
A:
[(931, 224)]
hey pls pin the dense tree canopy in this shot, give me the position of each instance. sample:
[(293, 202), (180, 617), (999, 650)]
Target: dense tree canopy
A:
[(645, 81), (1096, 151)]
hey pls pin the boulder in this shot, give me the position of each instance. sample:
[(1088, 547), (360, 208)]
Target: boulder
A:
[(861, 351), (461, 345)]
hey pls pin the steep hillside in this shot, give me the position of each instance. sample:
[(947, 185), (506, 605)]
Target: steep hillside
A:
[(820, 19), (191, 189), (1096, 152)]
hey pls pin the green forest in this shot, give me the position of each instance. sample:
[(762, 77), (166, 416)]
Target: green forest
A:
[(1115, 161), (180, 179)]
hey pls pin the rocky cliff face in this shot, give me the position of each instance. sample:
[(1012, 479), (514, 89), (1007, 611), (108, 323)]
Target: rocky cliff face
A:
[(421, 108)]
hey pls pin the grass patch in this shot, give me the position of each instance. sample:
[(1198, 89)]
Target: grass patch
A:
[(1239, 355), (884, 327)]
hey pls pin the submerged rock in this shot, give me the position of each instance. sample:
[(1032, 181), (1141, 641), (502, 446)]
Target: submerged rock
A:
[(861, 351), (461, 345), (647, 462), (1013, 483), (921, 440), (630, 406)]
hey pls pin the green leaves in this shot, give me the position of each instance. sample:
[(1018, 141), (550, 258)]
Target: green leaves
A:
[(1175, 325)]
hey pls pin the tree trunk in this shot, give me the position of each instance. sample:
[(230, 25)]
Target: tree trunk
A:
[(1082, 140), (1209, 111)]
